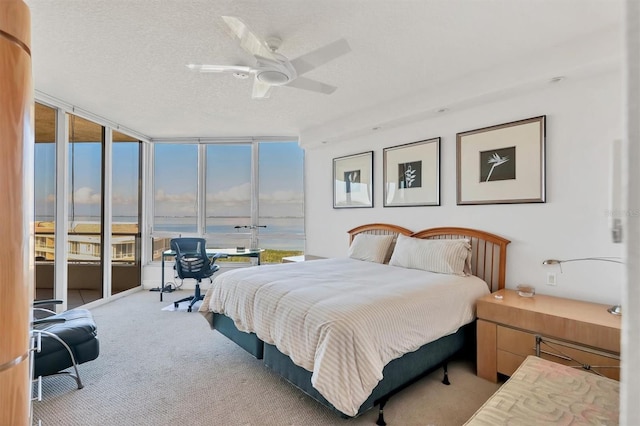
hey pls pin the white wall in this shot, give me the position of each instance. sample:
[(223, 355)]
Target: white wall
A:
[(583, 117)]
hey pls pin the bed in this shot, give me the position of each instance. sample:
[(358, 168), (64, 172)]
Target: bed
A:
[(549, 393), (352, 331)]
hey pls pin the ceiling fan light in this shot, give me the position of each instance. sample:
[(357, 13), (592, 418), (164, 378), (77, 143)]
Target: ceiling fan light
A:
[(275, 78)]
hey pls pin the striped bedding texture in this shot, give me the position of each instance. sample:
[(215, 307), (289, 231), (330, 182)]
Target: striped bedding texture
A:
[(344, 319)]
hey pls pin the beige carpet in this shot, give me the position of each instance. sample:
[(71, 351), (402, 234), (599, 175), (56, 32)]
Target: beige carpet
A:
[(169, 368)]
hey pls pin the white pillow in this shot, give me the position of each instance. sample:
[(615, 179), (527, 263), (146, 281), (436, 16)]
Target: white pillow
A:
[(369, 247), (440, 255)]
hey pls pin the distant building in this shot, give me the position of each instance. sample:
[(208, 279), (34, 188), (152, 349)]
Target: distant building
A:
[(84, 242)]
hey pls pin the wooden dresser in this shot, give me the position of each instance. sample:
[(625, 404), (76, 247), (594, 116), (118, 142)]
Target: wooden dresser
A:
[(566, 331)]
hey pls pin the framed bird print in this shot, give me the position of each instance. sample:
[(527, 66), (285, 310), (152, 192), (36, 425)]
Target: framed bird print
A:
[(502, 164)]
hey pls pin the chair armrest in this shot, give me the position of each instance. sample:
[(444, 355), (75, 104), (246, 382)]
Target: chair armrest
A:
[(218, 256), (47, 302), (48, 321)]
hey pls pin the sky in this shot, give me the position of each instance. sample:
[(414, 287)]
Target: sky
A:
[(228, 179)]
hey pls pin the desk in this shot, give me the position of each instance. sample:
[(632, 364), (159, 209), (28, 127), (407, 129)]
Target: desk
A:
[(229, 252), (301, 258)]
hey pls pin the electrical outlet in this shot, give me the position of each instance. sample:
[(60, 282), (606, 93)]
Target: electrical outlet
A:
[(551, 278)]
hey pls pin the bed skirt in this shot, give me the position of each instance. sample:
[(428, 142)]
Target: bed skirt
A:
[(247, 341), (398, 374)]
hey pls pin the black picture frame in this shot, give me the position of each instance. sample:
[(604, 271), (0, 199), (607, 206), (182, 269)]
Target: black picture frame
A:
[(502, 164), (353, 181), (411, 174)]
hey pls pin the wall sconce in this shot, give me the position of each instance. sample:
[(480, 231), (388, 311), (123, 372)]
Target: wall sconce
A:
[(615, 309)]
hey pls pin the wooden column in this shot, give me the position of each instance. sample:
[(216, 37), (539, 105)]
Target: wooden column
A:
[(16, 211)]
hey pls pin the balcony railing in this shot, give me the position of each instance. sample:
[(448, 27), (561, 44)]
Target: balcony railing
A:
[(86, 247)]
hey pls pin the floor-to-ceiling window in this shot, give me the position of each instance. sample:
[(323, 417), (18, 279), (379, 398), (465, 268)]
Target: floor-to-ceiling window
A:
[(70, 208), (281, 200), (175, 177), (228, 195), (45, 200), (125, 212), (235, 194), (86, 144)]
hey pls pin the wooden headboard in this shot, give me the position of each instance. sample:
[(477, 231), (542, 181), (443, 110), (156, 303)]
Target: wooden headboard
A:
[(488, 251), (378, 229)]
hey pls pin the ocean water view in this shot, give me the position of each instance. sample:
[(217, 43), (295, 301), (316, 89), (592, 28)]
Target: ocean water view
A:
[(274, 225), (274, 233)]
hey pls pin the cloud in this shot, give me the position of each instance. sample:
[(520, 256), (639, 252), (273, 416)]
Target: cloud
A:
[(239, 194), (124, 199), (280, 197), (185, 197), (86, 195)]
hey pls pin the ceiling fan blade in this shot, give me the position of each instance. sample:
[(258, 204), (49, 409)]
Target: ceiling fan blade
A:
[(219, 68), (312, 85), (248, 40), (261, 90), (314, 59)]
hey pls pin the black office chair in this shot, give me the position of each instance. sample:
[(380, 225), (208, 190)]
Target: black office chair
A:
[(192, 262), (65, 340)]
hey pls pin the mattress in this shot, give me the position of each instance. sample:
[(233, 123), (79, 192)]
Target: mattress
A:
[(344, 319), (542, 392)]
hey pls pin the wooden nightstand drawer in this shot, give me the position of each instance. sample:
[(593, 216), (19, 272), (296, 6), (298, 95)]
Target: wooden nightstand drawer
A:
[(512, 346), (516, 341), (507, 363)]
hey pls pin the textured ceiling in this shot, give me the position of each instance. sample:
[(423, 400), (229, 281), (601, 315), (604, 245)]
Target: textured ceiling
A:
[(125, 60)]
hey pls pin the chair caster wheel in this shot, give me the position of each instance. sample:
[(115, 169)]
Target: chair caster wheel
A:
[(189, 309), (175, 305)]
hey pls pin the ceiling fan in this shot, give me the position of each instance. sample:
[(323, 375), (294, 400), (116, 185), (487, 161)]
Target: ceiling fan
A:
[(273, 69)]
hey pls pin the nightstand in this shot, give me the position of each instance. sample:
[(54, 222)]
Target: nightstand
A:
[(302, 258), (566, 331)]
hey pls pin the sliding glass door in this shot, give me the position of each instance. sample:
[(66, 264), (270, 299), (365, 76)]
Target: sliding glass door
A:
[(45, 200), (71, 176), (85, 237), (125, 213)]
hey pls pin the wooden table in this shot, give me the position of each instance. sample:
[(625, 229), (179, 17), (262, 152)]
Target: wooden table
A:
[(301, 258), (570, 332)]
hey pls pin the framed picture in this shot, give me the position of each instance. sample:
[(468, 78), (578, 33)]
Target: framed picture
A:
[(353, 181), (502, 164), (412, 174)]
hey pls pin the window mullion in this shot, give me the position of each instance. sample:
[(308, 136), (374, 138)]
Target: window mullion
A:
[(255, 151), (202, 190), (107, 211), (61, 232)]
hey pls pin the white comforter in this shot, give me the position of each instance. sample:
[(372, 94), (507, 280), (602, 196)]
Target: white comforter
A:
[(344, 319)]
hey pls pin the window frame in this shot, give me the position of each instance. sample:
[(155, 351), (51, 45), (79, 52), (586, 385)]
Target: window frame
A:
[(201, 190)]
